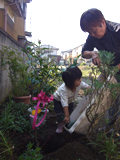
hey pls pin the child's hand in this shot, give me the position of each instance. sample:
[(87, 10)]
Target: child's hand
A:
[(66, 119)]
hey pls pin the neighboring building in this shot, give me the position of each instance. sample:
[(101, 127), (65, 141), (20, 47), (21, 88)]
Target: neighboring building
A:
[(67, 56), (12, 19), (50, 52), (71, 54)]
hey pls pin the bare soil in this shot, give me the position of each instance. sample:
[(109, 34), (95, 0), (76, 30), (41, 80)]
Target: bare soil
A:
[(65, 146), (54, 146)]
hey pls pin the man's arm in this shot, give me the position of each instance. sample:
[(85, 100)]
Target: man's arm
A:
[(93, 55), (88, 54), (88, 51), (87, 48)]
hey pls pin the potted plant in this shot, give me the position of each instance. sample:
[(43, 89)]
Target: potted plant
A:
[(18, 74)]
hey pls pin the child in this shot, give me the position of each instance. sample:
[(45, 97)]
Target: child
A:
[(65, 95)]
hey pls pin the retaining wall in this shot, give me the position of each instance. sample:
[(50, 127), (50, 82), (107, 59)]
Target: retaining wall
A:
[(5, 84)]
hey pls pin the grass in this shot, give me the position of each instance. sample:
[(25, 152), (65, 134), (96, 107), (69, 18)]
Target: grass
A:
[(86, 70), (85, 73)]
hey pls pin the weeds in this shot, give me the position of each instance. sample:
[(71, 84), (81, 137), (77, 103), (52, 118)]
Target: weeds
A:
[(31, 154), (15, 116), (5, 147), (107, 145)]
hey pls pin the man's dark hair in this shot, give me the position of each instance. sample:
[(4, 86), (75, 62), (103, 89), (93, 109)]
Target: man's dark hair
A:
[(70, 75), (91, 18)]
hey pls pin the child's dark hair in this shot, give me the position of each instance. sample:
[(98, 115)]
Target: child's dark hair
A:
[(70, 75)]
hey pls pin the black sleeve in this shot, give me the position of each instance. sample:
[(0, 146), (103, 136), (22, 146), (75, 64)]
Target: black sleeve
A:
[(119, 35), (88, 46)]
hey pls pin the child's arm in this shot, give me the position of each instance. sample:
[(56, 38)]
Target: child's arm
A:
[(67, 116), (84, 85), (88, 87)]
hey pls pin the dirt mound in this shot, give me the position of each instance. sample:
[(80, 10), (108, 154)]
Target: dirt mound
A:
[(72, 151), (65, 146)]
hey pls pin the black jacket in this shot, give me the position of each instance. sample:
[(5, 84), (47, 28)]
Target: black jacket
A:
[(110, 42)]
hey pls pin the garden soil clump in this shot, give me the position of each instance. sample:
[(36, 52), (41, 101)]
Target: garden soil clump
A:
[(65, 146)]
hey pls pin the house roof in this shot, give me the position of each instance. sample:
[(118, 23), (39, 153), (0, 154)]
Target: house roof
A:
[(49, 47), (66, 51), (28, 34), (78, 46), (70, 50), (14, 5)]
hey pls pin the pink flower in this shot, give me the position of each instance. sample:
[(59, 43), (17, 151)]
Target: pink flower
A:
[(39, 41)]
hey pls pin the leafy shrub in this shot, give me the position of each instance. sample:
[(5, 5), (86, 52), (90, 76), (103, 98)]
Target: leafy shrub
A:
[(31, 154), (44, 74), (106, 142), (82, 64), (5, 147), (15, 116), (107, 145), (13, 61)]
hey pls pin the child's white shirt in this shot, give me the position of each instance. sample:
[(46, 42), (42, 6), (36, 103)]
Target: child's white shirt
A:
[(66, 96)]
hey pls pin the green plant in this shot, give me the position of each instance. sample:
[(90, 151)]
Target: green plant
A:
[(97, 112), (44, 74), (101, 89), (107, 145), (107, 64), (6, 118), (15, 116), (82, 64), (5, 147), (13, 61), (31, 154)]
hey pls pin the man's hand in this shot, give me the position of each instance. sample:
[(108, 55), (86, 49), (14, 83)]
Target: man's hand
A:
[(66, 119), (93, 55), (95, 58)]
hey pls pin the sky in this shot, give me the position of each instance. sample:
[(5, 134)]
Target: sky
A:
[(57, 22)]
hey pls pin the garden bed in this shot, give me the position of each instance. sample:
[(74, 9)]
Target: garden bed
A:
[(53, 146), (65, 146), (17, 138)]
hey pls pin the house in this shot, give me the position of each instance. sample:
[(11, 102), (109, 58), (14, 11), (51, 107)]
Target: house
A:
[(12, 19), (50, 52), (71, 54), (67, 55)]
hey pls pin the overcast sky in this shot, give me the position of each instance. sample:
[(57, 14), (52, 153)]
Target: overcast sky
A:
[(57, 22)]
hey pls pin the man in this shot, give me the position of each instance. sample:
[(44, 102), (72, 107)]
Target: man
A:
[(103, 35)]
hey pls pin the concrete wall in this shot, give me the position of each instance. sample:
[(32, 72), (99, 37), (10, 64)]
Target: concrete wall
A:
[(5, 85)]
